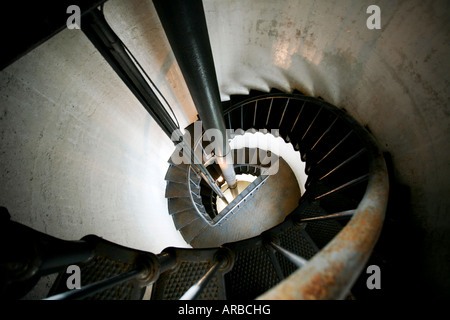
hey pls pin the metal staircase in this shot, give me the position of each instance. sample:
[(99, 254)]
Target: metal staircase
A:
[(339, 157)]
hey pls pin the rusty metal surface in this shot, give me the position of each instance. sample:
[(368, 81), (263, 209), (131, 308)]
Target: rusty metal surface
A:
[(331, 273)]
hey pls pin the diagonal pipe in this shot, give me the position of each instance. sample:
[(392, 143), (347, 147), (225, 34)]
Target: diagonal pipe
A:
[(185, 26)]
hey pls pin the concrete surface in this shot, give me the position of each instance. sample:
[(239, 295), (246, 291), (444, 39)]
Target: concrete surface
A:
[(79, 154)]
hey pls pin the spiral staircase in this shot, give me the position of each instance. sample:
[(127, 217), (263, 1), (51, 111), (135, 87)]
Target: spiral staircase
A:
[(340, 158), (317, 252), (337, 153)]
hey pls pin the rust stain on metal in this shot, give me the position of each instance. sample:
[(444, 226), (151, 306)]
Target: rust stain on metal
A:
[(319, 285)]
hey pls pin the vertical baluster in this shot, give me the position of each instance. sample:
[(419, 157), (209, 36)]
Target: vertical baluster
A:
[(284, 111), (297, 260), (324, 134), (96, 287), (298, 116), (194, 291), (337, 145), (268, 114), (254, 115), (338, 215), (311, 124), (343, 163), (345, 185)]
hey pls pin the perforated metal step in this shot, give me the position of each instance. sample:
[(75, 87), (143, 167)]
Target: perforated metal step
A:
[(109, 260), (187, 270), (256, 269)]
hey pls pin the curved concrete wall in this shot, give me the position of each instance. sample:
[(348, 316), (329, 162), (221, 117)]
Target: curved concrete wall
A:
[(80, 155), (393, 80)]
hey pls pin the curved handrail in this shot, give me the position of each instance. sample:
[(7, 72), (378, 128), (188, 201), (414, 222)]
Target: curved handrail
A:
[(332, 271)]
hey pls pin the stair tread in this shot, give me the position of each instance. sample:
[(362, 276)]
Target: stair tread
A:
[(253, 273), (176, 174), (179, 204), (174, 282), (191, 230), (179, 174), (177, 190), (185, 217)]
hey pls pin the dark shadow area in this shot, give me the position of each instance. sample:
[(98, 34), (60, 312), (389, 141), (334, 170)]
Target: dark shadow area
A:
[(397, 252)]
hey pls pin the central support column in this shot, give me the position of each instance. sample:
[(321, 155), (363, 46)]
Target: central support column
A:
[(185, 26)]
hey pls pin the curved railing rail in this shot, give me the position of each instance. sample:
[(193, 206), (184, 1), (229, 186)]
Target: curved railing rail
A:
[(331, 273)]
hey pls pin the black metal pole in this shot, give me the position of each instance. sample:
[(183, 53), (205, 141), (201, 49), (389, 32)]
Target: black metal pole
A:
[(185, 26)]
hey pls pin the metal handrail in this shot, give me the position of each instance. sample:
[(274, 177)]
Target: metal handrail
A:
[(331, 273)]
